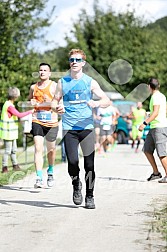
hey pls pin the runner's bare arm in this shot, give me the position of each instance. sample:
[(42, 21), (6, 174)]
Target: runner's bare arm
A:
[(103, 101), (30, 96), (57, 102), (58, 93), (153, 115)]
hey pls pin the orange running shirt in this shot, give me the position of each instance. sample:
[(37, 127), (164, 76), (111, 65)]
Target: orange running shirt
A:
[(44, 115)]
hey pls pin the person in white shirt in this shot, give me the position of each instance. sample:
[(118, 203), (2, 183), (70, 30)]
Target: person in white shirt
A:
[(107, 127)]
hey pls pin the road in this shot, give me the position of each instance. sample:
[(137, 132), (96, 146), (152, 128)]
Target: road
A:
[(35, 220)]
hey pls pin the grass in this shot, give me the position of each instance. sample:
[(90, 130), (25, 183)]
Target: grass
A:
[(26, 162), (160, 223)]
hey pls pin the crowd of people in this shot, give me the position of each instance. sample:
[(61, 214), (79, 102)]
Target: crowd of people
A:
[(85, 122)]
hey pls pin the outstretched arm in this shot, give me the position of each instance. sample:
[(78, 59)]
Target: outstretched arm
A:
[(13, 111)]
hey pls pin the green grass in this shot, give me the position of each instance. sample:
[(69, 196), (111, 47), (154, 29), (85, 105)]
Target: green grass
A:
[(160, 223), (26, 162)]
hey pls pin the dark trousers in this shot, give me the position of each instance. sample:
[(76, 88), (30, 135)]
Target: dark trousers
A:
[(85, 138)]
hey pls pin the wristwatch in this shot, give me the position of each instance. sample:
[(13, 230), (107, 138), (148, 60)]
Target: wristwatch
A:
[(145, 123)]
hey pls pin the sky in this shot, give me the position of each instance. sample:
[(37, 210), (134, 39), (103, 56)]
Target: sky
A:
[(67, 12)]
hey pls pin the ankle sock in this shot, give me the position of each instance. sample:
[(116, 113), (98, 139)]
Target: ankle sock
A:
[(138, 143), (50, 169), (39, 174)]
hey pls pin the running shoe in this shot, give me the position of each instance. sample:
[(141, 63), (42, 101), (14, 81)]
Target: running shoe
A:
[(89, 202), (154, 176), (77, 194), (50, 180), (38, 183), (163, 180)]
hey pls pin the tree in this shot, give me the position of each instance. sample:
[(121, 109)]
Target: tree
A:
[(106, 37), (20, 23)]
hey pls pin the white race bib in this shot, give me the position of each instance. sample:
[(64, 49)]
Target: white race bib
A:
[(106, 127)]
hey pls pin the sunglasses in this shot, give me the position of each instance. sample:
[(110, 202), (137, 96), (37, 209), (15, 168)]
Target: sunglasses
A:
[(78, 60)]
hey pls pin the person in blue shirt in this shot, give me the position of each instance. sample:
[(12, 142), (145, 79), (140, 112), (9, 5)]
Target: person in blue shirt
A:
[(77, 89)]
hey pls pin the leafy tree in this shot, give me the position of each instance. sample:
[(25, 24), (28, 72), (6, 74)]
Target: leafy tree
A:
[(106, 37), (20, 23), (161, 23)]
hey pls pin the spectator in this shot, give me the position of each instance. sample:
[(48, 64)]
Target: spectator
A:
[(9, 129)]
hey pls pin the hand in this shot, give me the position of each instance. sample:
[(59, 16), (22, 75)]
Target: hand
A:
[(54, 105), (58, 108), (141, 127), (98, 117), (93, 104), (34, 102)]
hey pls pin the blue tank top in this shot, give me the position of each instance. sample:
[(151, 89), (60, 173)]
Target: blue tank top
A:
[(76, 94)]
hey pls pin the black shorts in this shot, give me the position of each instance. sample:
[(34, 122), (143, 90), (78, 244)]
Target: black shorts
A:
[(40, 130)]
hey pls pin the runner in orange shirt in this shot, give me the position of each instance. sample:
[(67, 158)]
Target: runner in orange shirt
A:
[(44, 123)]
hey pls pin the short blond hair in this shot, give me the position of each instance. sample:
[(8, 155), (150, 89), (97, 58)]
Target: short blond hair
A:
[(75, 51), (13, 93)]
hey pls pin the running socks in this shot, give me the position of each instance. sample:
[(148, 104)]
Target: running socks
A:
[(39, 174), (50, 169), (138, 143)]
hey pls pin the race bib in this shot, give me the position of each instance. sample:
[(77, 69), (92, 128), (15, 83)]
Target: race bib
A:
[(106, 127), (44, 115)]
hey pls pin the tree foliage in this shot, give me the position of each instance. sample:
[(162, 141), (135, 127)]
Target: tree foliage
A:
[(106, 37), (20, 22)]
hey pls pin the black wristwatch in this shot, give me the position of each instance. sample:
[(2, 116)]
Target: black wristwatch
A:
[(145, 123)]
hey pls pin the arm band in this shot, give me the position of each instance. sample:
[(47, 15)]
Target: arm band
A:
[(145, 123)]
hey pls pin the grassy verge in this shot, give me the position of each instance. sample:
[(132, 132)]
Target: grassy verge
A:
[(160, 223), (26, 162)]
